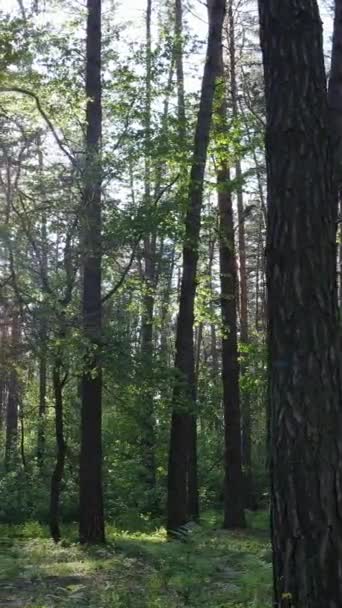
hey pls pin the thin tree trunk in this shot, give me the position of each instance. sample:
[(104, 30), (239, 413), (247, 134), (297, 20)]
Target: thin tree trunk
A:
[(233, 483), (335, 106), (57, 475), (3, 376), (259, 306), (12, 399), (43, 333), (184, 395), (213, 336), (192, 475), (2, 400), (91, 498), (198, 346), (42, 399), (149, 255), (193, 504), (22, 434), (243, 290), (180, 72), (305, 415), (165, 311)]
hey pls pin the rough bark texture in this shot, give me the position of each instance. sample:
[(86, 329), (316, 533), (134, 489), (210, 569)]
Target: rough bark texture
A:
[(233, 483), (57, 475), (243, 291), (184, 395), (335, 90), (335, 107), (91, 500), (304, 377)]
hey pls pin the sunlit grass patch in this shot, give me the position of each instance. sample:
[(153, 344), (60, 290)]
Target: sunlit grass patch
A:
[(213, 568)]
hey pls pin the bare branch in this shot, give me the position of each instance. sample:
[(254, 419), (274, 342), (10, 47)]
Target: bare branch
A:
[(44, 115), (124, 274)]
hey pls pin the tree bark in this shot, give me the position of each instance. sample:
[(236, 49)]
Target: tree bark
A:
[(233, 483), (22, 433), (91, 527), (184, 394), (243, 291), (42, 399), (180, 72), (335, 107), (192, 474), (149, 254), (335, 91), (43, 333), (213, 336), (165, 320), (304, 375), (3, 373), (57, 475), (11, 443)]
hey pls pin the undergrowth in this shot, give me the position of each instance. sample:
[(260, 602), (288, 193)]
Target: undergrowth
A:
[(213, 568)]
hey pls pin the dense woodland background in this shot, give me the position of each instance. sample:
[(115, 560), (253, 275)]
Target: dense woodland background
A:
[(133, 258), (149, 118)]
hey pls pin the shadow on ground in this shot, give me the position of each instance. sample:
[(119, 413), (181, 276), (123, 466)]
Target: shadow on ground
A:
[(213, 568)]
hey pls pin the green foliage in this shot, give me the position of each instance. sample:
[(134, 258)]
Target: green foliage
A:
[(213, 568)]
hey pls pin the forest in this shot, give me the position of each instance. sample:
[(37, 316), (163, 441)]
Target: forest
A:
[(170, 303)]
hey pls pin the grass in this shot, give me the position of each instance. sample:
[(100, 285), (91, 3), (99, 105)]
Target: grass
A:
[(212, 569)]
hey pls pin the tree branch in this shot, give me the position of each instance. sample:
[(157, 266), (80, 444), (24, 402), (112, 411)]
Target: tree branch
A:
[(124, 274), (44, 115)]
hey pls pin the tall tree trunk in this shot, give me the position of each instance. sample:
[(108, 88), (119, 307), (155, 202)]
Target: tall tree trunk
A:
[(233, 483), (193, 499), (13, 398), (260, 280), (42, 397), (305, 415), (180, 72), (22, 433), (57, 475), (213, 335), (335, 91), (91, 499), (43, 332), (165, 310), (3, 405), (335, 106), (3, 372), (243, 291), (192, 476), (149, 254), (184, 394)]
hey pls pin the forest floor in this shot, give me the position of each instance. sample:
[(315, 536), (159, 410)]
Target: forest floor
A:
[(213, 568)]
